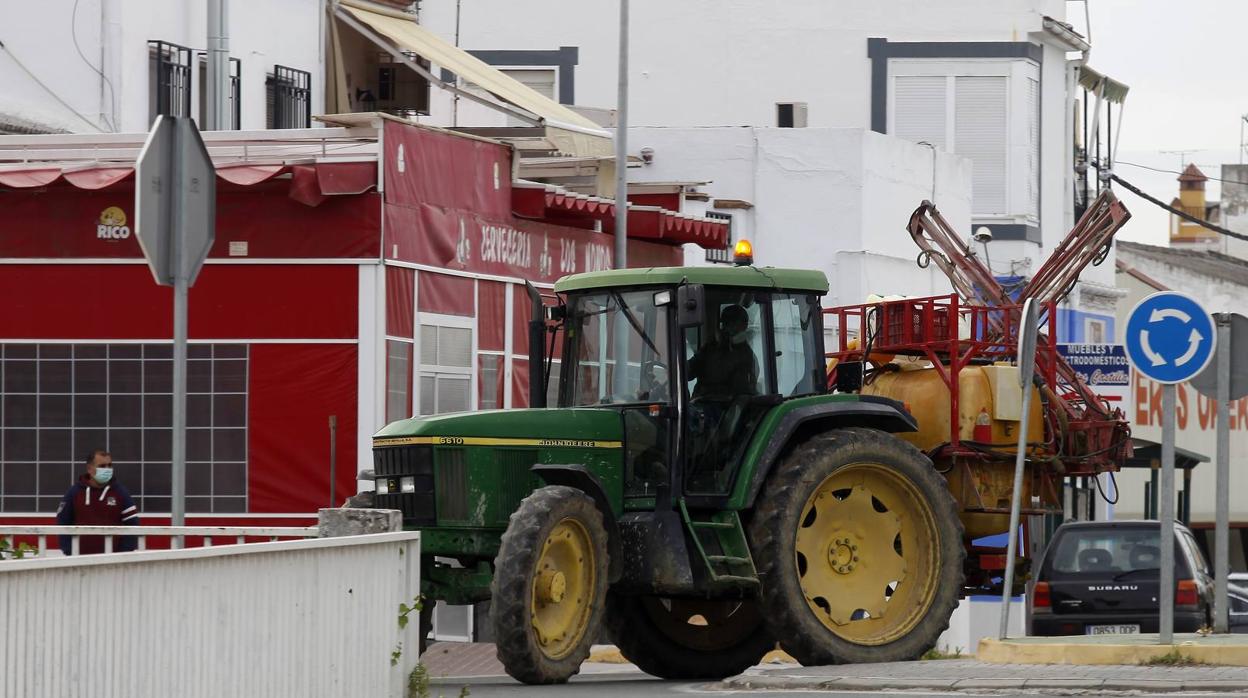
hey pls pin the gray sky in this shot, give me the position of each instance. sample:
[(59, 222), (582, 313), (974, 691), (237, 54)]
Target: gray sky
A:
[(1184, 62)]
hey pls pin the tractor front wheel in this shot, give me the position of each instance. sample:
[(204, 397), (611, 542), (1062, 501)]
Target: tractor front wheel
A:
[(859, 549), (550, 581), (688, 638)]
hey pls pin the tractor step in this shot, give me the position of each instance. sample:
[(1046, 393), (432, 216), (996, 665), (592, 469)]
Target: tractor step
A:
[(728, 559), (711, 524), (720, 541)]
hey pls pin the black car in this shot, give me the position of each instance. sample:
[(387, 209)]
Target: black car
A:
[(1102, 577)]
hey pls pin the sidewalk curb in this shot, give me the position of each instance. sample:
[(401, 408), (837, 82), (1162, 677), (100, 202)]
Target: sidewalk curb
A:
[(995, 651), (876, 683)]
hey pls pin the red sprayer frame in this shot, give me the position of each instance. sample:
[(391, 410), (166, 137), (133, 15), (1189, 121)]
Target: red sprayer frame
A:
[(1086, 439)]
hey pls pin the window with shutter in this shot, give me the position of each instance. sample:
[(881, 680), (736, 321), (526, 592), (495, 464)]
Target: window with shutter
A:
[(987, 110), (919, 109), (980, 134), (445, 364)]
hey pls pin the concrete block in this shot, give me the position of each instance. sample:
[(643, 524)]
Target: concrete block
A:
[(357, 522)]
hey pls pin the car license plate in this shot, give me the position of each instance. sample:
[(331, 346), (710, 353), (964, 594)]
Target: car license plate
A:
[(1112, 629)]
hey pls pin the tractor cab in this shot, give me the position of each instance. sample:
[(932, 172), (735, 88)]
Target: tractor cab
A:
[(693, 358)]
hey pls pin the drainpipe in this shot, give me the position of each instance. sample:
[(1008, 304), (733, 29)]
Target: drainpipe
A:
[(218, 111)]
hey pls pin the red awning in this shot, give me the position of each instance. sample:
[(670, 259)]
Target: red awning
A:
[(547, 201), (310, 183)]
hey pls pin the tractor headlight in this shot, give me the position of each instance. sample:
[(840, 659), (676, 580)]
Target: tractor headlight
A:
[(383, 485), (407, 485)]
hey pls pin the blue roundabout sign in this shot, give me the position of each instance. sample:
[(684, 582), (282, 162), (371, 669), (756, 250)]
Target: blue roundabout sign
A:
[(1169, 337)]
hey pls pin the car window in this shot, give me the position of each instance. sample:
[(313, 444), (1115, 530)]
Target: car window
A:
[(1197, 553), (1112, 550)]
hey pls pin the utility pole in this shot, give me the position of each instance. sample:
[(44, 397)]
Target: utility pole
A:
[(620, 350), (621, 147), (218, 87)]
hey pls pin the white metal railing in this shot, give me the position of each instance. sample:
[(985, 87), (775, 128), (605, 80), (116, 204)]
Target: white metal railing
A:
[(290, 618), (178, 534)]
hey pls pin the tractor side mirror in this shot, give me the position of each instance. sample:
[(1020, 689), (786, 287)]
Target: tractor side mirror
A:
[(690, 300)]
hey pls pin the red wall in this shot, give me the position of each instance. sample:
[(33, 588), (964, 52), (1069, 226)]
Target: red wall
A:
[(121, 301), (293, 391)]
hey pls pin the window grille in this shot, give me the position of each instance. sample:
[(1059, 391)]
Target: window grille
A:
[(170, 79), (59, 401), (290, 98), (723, 256)]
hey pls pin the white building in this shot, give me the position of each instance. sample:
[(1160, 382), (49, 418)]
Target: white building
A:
[(989, 80)]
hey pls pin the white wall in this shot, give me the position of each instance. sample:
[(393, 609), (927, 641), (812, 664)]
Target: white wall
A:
[(262, 33), (978, 617), (728, 62), (835, 199), (312, 617)]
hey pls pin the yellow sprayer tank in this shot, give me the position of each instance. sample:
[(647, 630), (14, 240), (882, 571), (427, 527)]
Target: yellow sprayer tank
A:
[(988, 394)]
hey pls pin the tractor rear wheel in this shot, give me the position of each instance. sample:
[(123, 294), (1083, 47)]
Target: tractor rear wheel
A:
[(550, 581), (687, 638), (859, 549)]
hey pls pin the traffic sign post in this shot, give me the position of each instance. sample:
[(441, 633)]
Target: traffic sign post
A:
[(1170, 339), (175, 221), (1028, 329), (1225, 379)]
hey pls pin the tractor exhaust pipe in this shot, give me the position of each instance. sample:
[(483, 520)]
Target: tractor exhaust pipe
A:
[(537, 348)]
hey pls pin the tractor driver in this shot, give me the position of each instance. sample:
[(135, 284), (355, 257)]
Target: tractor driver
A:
[(726, 367), (726, 371)]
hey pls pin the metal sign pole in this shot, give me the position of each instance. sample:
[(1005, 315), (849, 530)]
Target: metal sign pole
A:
[(1222, 547), (1027, 371), (1165, 590), (1020, 460), (177, 510), (175, 222)]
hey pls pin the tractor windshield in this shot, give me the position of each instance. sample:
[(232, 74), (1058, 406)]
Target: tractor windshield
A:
[(616, 330)]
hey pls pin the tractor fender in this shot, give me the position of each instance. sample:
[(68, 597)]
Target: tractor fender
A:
[(581, 478), (871, 411)]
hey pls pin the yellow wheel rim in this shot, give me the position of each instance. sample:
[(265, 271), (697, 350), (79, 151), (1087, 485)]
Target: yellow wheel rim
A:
[(867, 554), (563, 588)]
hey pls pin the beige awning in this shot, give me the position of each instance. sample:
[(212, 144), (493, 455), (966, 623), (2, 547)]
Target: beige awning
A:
[(1093, 81), (572, 133)]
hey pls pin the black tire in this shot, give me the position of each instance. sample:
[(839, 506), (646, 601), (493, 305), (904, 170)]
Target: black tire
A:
[(657, 636), (526, 654), (782, 512)]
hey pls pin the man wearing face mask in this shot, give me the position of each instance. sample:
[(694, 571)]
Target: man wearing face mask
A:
[(726, 366), (97, 500)]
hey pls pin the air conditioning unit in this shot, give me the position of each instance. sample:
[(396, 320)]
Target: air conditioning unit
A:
[(791, 114)]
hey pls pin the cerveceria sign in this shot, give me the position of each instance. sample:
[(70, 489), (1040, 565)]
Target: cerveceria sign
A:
[(111, 224)]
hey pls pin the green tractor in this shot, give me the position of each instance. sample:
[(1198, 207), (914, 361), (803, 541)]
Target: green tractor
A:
[(697, 492)]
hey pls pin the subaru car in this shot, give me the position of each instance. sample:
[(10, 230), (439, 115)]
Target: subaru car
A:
[(1103, 577)]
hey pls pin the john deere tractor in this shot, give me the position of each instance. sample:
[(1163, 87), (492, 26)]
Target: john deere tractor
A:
[(697, 492)]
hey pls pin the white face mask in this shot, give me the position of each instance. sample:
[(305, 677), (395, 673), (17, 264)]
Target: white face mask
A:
[(741, 337), (103, 474)]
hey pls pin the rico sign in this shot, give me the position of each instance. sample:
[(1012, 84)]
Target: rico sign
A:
[(112, 225)]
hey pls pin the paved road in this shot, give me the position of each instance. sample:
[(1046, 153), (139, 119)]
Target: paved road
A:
[(631, 685)]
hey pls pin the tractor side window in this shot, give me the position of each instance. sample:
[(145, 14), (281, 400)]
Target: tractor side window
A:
[(618, 344), (797, 363)]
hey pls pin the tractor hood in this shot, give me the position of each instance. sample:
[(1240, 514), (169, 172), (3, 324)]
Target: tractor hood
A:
[(541, 426)]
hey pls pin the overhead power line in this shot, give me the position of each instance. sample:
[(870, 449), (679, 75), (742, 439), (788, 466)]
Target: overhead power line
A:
[(1178, 212), (47, 89), (1165, 171)]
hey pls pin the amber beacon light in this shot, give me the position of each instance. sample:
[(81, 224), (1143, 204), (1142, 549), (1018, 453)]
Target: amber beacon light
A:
[(743, 253)]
